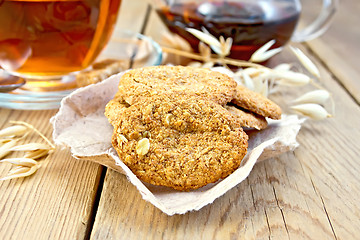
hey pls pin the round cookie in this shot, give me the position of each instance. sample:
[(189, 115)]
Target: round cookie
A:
[(180, 142), (100, 71), (256, 103), (201, 82), (248, 119)]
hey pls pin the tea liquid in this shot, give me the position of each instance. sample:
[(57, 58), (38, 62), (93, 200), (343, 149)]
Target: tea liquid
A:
[(251, 24), (46, 37)]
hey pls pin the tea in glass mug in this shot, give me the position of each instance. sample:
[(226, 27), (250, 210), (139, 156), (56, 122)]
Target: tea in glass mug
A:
[(51, 38), (250, 23)]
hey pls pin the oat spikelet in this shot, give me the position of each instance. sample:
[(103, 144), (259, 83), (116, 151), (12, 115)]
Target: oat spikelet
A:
[(311, 110), (224, 48), (26, 162), (35, 154), (251, 71), (283, 67), (13, 131), (5, 148), (4, 140), (247, 81), (30, 171), (263, 53), (30, 147), (259, 85), (290, 78), (316, 96), (205, 37), (26, 165), (306, 62), (17, 170)]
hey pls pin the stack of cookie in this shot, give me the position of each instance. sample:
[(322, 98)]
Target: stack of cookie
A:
[(182, 127)]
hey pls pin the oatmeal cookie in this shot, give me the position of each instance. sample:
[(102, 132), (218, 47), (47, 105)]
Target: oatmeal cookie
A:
[(180, 141), (256, 103), (248, 119), (150, 81), (100, 71)]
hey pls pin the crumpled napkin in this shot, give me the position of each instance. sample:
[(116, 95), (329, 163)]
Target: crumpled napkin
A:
[(81, 125)]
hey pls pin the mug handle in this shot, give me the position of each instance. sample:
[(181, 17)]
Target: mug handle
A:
[(320, 25)]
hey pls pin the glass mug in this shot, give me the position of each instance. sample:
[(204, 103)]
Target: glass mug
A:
[(47, 39), (251, 23)]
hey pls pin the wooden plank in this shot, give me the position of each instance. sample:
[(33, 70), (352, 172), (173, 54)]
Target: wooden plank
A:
[(339, 48), (311, 193), (56, 202), (329, 159)]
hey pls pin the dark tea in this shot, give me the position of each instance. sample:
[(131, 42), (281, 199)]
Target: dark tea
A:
[(251, 24), (53, 38)]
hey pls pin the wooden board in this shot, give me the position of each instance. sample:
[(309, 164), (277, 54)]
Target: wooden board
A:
[(59, 196), (339, 47)]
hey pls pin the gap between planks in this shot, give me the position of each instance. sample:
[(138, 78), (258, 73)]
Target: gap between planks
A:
[(92, 215)]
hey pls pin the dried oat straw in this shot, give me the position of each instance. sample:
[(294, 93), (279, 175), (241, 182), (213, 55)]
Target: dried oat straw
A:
[(26, 165), (76, 119)]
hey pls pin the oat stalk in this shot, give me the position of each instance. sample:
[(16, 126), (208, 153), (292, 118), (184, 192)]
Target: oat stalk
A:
[(233, 62), (26, 165), (35, 130), (306, 62)]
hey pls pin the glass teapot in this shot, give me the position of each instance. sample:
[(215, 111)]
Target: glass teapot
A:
[(251, 23)]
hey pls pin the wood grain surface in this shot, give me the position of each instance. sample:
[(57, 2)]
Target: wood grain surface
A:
[(54, 203), (338, 48), (311, 193)]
